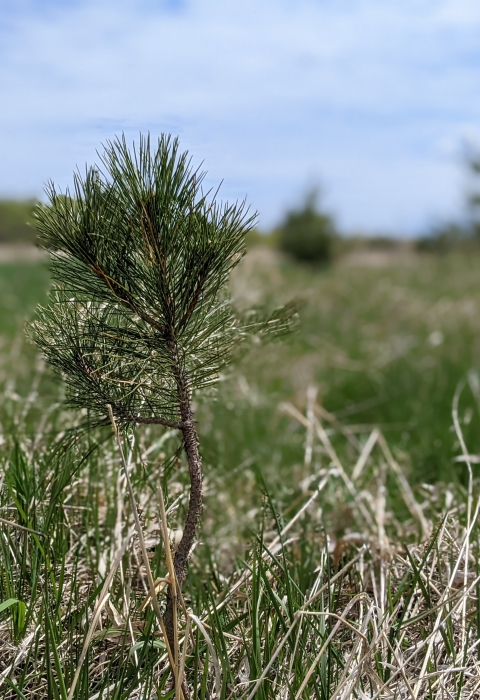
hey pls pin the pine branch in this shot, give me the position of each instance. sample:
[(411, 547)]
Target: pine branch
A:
[(123, 296), (152, 420)]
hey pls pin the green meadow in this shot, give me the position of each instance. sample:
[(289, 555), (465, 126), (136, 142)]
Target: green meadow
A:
[(339, 514), (386, 340)]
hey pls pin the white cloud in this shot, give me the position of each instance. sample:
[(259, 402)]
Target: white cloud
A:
[(270, 94)]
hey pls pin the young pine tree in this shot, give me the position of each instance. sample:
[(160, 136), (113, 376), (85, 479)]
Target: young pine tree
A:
[(139, 317)]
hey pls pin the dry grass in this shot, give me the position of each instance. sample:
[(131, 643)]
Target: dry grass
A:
[(378, 608), (326, 573)]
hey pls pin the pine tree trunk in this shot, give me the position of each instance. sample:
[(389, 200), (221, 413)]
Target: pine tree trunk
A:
[(190, 445)]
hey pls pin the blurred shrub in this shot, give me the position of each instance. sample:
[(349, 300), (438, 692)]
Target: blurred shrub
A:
[(307, 234), (446, 239), (16, 221)]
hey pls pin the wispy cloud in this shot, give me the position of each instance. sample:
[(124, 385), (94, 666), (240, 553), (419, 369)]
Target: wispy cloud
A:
[(370, 96)]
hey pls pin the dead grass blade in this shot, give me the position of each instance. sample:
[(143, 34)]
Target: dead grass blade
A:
[(102, 600), (139, 531)]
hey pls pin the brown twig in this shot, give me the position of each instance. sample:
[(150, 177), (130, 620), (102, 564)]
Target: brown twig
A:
[(190, 445)]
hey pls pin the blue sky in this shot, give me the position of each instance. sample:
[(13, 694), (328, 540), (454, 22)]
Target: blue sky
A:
[(372, 99)]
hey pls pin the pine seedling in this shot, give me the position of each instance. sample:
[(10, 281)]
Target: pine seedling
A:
[(139, 317)]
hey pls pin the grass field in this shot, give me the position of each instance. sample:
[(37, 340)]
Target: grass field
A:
[(385, 344), (337, 521)]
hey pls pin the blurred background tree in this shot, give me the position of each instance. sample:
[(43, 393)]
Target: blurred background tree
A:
[(308, 234)]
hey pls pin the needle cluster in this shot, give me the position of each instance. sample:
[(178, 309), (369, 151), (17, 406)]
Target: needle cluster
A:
[(141, 260)]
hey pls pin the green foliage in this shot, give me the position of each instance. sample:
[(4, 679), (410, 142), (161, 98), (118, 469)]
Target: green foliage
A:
[(307, 234), (17, 223), (141, 261)]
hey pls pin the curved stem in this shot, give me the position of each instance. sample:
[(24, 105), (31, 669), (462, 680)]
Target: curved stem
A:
[(190, 445)]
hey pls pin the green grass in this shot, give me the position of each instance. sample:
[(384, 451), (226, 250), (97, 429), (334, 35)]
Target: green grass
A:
[(384, 346), (17, 224), (300, 609), (22, 287), (314, 575)]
